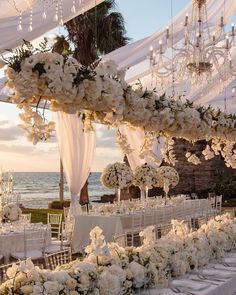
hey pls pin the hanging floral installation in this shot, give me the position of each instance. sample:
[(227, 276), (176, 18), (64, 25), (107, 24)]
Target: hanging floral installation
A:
[(37, 76)]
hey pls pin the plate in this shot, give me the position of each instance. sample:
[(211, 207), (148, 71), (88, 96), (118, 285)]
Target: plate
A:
[(191, 285)]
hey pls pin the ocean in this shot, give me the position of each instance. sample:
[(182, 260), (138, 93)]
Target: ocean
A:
[(37, 189)]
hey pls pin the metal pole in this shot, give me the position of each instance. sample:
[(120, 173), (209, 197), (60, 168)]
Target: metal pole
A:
[(61, 184)]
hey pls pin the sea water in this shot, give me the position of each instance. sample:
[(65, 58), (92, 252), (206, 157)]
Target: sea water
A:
[(37, 189)]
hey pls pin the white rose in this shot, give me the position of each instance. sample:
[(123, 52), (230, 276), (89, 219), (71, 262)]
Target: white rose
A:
[(27, 289)]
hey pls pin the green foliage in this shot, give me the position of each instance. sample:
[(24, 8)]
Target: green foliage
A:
[(40, 215), (97, 31), (20, 54), (59, 204), (226, 188)]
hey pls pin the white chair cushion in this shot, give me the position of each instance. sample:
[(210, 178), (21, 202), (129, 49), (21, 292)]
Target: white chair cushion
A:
[(54, 248), (33, 254)]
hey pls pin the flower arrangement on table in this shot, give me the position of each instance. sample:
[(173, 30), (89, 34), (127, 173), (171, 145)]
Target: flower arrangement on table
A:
[(118, 176), (145, 177), (10, 212), (167, 176), (38, 76), (125, 269)]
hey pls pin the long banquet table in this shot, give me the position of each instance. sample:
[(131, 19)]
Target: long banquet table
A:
[(13, 241), (215, 286), (115, 224)]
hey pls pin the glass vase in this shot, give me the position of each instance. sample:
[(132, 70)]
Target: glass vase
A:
[(118, 191), (142, 194), (146, 192)]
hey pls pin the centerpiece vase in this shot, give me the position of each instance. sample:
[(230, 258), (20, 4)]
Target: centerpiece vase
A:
[(142, 193), (146, 192), (118, 192), (166, 190)]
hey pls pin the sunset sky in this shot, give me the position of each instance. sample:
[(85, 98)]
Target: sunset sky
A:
[(142, 18)]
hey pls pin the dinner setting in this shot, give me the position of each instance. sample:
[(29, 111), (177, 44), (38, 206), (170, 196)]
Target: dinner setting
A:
[(117, 147)]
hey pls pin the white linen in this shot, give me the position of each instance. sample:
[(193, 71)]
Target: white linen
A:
[(120, 223), (9, 18), (134, 53), (14, 242), (135, 57), (76, 150), (135, 138)]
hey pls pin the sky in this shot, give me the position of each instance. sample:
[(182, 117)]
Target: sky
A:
[(142, 18)]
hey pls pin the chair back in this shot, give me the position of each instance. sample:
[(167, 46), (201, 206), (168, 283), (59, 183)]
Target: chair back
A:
[(120, 240), (148, 217), (3, 271), (136, 221), (26, 217), (35, 239), (55, 221), (168, 214), (218, 204), (158, 217), (58, 258), (66, 212)]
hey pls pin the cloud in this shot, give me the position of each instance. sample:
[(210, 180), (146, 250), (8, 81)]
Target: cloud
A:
[(5, 122), (10, 132), (17, 149), (105, 137)]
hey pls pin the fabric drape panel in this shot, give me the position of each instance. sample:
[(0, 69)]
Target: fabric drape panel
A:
[(135, 138), (76, 150), (9, 19), (134, 53)]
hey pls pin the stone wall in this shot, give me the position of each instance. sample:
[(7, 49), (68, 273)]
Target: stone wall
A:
[(198, 178)]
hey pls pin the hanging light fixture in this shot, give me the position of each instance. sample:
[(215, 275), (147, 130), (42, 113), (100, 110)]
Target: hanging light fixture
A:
[(205, 50)]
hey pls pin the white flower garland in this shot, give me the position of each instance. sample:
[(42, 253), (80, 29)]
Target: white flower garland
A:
[(103, 91), (122, 142), (192, 158), (117, 175)]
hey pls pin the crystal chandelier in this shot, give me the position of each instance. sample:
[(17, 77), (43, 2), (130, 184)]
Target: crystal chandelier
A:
[(204, 50)]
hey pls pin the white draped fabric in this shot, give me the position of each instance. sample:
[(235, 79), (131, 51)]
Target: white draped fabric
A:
[(134, 56), (135, 138), (9, 18), (76, 150), (134, 53)]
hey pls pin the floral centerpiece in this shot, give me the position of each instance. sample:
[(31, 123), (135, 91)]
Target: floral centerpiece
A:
[(145, 177), (168, 176), (11, 212), (118, 176)]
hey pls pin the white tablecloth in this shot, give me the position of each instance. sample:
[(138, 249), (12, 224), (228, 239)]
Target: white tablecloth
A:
[(117, 224), (14, 242), (111, 225)]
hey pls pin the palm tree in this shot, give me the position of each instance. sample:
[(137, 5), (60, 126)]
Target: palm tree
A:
[(96, 32)]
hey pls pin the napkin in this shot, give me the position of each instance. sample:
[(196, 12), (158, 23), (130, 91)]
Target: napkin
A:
[(188, 284), (222, 267), (230, 260), (217, 273)]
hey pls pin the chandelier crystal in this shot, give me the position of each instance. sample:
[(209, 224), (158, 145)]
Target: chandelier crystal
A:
[(205, 50)]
